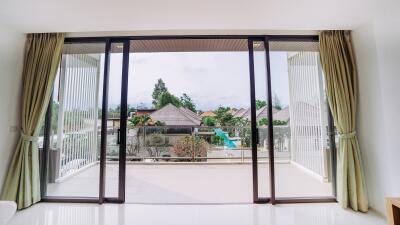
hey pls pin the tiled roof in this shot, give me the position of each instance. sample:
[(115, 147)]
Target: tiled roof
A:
[(172, 115)]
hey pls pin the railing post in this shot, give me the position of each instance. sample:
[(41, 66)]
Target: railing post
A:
[(193, 139)]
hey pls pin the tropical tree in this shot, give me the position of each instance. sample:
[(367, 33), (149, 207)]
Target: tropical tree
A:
[(159, 88), (140, 120), (260, 104), (243, 130), (187, 102), (223, 116), (241, 122), (166, 98), (145, 120), (209, 121)]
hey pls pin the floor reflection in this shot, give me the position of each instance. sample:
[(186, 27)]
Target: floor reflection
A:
[(93, 214)]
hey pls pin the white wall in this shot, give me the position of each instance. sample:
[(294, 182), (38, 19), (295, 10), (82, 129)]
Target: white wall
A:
[(377, 47), (11, 57)]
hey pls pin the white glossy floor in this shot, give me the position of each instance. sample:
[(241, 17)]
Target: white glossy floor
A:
[(210, 183), (290, 214)]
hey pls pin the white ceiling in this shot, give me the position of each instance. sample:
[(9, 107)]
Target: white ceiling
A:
[(232, 16)]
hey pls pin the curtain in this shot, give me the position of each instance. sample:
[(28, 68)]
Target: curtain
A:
[(42, 56), (340, 73)]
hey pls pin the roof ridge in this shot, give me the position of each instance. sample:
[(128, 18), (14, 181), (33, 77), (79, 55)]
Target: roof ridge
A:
[(180, 111), (187, 115), (191, 113)]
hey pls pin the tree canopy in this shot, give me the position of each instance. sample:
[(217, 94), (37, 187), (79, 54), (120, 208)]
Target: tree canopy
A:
[(159, 88), (224, 117), (187, 102), (165, 98), (260, 104), (145, 120), (162, 97), (209, 121)]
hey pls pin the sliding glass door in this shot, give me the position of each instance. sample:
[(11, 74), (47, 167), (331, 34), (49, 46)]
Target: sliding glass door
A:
[(114, 147), (262, 172), (300, 124), (189, 120), (189, 132), (294, 145), (70, 150)]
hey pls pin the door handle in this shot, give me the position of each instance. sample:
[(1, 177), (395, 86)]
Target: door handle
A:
[(257, 136), (118, 136)]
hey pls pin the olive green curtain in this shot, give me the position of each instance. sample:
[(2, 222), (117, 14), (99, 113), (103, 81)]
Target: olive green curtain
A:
[(339, 67), (42, 56)]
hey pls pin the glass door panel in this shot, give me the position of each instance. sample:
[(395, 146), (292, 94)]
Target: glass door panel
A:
[(75, 124), (113, 121), (188, 133), (300, 121)]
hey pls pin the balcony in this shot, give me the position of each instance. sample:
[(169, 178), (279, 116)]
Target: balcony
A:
[(157, 173), (192, 183)]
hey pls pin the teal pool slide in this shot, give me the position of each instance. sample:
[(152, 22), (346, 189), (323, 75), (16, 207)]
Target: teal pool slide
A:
[(227, 142)]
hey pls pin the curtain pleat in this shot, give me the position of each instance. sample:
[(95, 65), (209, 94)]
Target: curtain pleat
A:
[(42, 56), (340, 73)]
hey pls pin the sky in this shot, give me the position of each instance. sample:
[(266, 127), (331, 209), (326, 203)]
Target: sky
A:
[(211, 79)]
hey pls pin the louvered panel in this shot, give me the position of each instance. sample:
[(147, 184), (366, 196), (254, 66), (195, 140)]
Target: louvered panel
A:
[(308, 128), (77, 115)]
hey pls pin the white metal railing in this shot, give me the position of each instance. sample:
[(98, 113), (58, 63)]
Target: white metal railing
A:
[(141, 145), (308, 115), (78, 109)]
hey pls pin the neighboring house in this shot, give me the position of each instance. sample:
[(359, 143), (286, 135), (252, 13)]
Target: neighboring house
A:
[(208, 114), (174, 116), (190, 113), (282, 115), (260, 114), (239, 112)]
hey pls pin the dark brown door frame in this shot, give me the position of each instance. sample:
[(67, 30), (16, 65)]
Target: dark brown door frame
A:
[(123, 124), (270, 126), (104, 115), (254, 129), (122, 154)]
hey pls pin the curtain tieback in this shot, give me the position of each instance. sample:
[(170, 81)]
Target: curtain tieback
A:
[(347, 135), (26, 137)]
